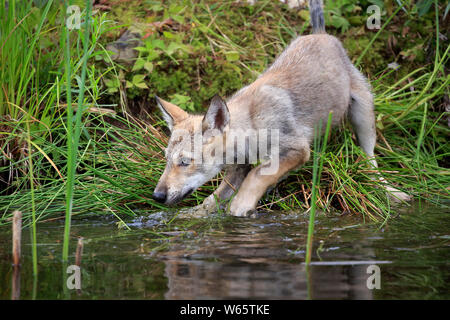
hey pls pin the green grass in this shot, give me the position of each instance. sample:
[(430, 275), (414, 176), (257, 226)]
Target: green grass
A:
[(319, 149), (106, 160), (74, 137), (20, 81)]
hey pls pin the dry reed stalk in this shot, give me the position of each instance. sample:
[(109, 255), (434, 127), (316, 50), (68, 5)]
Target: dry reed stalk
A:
[(16, 237)]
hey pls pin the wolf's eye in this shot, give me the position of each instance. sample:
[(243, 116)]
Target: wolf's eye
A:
[(184, 162)]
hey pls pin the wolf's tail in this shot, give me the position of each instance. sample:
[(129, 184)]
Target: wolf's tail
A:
[(316, 13)]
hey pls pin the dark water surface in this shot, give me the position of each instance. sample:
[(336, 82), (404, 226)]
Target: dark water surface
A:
[(258, 258)]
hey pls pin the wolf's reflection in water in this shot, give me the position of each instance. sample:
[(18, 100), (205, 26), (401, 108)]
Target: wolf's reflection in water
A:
[(253, 261), (190, 279)]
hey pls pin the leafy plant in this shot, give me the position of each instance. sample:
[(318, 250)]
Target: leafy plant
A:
[(336, 13), (184, 102), (137, 81)]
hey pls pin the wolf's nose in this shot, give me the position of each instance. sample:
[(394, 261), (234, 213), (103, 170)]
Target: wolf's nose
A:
[(159, 196)]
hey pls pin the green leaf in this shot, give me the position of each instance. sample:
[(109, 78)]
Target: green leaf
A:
[(148, 66), (184, 102), (157, 43), (152, 55), (141, 49), (340, 22), (232, 56), (156, 7), (179, 19), (168, 35), (179, 99), (141, 85), (139, 64), (138, 78), (379, 3), (112, 83), (138, 81), (173, 46)]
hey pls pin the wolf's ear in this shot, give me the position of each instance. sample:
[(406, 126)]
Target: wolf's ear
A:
[(217, 116), (172, 114)]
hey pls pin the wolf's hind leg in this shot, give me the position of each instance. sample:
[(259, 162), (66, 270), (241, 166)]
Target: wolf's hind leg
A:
[(362, 117)]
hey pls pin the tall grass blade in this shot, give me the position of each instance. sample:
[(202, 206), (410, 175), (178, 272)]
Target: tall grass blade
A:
[(33, 203), (317, 170), (73, 138)]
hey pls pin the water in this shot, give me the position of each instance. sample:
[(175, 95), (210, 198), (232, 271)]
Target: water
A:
[(241, 258)]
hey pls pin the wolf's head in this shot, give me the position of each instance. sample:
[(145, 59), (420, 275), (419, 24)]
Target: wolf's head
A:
[(195, 151)]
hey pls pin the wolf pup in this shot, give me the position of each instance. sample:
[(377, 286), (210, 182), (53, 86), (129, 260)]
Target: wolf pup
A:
[(310, 79)]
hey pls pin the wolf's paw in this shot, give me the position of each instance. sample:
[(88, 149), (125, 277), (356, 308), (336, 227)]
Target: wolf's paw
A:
[(241, 211), (202, 210), (210, 204)]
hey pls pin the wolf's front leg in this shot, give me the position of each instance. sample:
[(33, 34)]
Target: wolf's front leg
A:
[(230, 183), (262, 177)]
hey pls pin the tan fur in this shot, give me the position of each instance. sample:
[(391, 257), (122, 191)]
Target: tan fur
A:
[(310, 79)]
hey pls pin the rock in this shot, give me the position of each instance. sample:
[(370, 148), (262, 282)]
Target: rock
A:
[(123, 49)]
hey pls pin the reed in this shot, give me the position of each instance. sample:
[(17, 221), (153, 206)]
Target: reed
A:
[(16, 237), (17, 82), (73, 137), (79, 252), (16, 253), (318, 158), (15, 283), (33, 204)]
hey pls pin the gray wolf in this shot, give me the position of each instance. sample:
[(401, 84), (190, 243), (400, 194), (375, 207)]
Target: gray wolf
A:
[(310, 79)]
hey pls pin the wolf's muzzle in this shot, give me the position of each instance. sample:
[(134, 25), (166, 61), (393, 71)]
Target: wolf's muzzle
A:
[(187, 193), (159, 196)]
